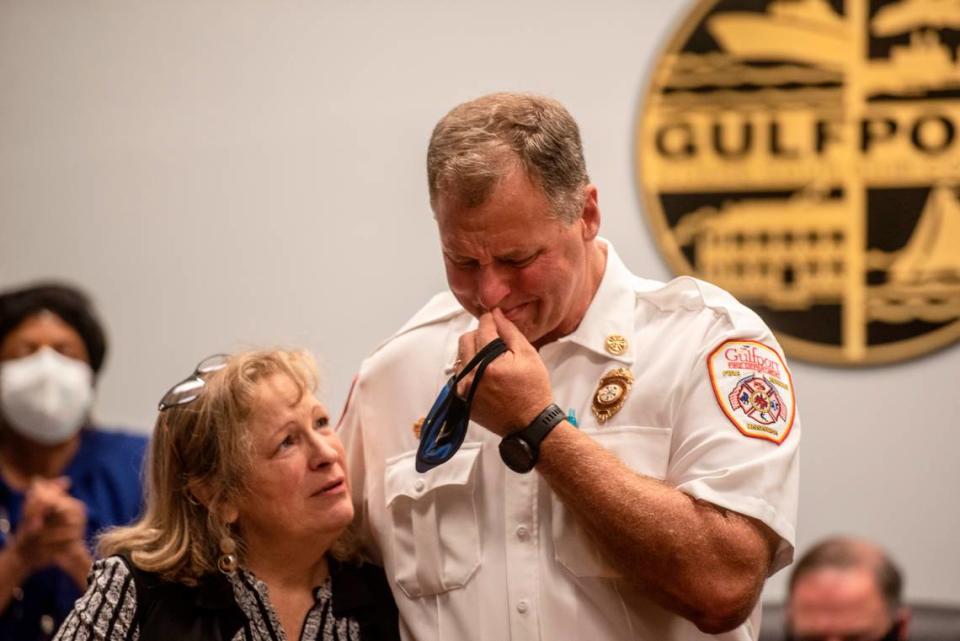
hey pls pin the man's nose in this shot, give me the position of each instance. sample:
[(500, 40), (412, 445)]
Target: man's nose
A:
[(493, 286)]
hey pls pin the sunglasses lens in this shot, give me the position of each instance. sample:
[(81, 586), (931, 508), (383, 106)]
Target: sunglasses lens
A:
[(212, 363), (189, 389), (182, 392)]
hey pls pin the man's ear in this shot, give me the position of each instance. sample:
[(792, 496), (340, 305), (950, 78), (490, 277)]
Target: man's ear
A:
[(590, 216)]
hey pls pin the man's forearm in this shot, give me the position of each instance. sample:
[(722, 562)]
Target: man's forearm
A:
[(694, 559)]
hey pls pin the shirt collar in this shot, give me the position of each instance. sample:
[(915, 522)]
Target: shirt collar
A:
[(611, 312)]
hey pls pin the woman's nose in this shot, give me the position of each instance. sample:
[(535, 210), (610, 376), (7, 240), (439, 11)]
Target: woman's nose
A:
[(324, 450)]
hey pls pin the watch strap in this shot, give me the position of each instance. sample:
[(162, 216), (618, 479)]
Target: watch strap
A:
[(539, 427)]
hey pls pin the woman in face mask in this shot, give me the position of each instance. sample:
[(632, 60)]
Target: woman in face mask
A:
[(61, 479)]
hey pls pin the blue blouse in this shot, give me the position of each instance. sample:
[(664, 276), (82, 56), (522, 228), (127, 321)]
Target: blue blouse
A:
[(105, 474)]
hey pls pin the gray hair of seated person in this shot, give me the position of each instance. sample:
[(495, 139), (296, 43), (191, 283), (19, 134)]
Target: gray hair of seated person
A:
[(479, 142), (849, 553)]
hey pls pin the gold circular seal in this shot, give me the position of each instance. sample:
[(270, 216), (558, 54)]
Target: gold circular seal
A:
[(804, 155)]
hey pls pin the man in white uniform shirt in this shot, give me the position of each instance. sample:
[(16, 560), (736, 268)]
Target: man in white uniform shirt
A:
[(654, 503)]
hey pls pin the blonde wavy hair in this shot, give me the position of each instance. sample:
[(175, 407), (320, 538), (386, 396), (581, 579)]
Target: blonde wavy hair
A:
[(204, 448)]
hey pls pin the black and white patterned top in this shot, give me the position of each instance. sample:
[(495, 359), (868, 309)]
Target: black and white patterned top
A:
[(107, 612)]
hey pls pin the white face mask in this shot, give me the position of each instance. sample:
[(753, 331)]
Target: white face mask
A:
[(46, 396)]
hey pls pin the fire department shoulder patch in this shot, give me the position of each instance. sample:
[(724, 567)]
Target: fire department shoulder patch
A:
[(754, 389)]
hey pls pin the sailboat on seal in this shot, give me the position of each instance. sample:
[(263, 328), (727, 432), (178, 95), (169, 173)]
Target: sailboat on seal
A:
[(923, 282)]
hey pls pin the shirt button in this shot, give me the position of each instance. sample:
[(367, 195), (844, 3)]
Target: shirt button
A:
[(46, 624), (4, 526), (522, 606), (418, 486), (523, 533)]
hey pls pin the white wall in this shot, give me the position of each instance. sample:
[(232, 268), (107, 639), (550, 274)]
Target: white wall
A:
[(224, 173)]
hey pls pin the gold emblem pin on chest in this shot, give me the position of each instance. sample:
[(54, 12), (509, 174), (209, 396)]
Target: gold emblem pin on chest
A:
[(612, 391), (417, 425)]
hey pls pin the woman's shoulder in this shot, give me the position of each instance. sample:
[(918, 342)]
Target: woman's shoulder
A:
[(153, 588), (106, 611), (117, 571), (120, 569), (110, 570), (123, 600)]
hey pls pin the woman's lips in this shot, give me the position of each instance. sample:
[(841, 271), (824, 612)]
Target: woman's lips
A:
[(334, 487)]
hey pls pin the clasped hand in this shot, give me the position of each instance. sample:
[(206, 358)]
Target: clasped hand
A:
[(52, 528)]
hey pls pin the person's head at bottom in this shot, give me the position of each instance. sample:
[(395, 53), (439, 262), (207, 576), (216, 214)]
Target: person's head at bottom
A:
[(846, 589), (244, 473)]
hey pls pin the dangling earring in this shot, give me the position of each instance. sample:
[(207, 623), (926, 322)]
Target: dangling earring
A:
[(227, 562)]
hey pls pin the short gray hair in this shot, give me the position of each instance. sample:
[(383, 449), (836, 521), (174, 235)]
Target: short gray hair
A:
[(478, 142)]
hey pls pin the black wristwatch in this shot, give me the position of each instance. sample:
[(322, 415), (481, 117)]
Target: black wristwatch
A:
[(520, 450)]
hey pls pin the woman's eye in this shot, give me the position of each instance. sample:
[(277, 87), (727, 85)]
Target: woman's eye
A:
[(322, 422), (289, 441)]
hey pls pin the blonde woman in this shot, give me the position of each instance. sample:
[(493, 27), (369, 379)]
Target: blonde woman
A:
[(242, 538)]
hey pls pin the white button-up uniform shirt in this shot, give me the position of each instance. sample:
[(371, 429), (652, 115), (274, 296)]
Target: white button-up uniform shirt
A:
[(476, 552)]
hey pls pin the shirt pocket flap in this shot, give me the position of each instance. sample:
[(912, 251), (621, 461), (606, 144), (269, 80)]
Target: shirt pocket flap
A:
[(402, 479)]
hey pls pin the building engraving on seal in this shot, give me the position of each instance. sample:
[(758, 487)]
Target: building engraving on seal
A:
[(804, 155)]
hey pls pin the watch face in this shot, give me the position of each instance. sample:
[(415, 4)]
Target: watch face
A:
[(609, 393), (517, 454)]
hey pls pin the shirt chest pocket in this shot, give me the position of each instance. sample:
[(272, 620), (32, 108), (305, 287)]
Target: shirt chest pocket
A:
[(436, 539), (646, 451)]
